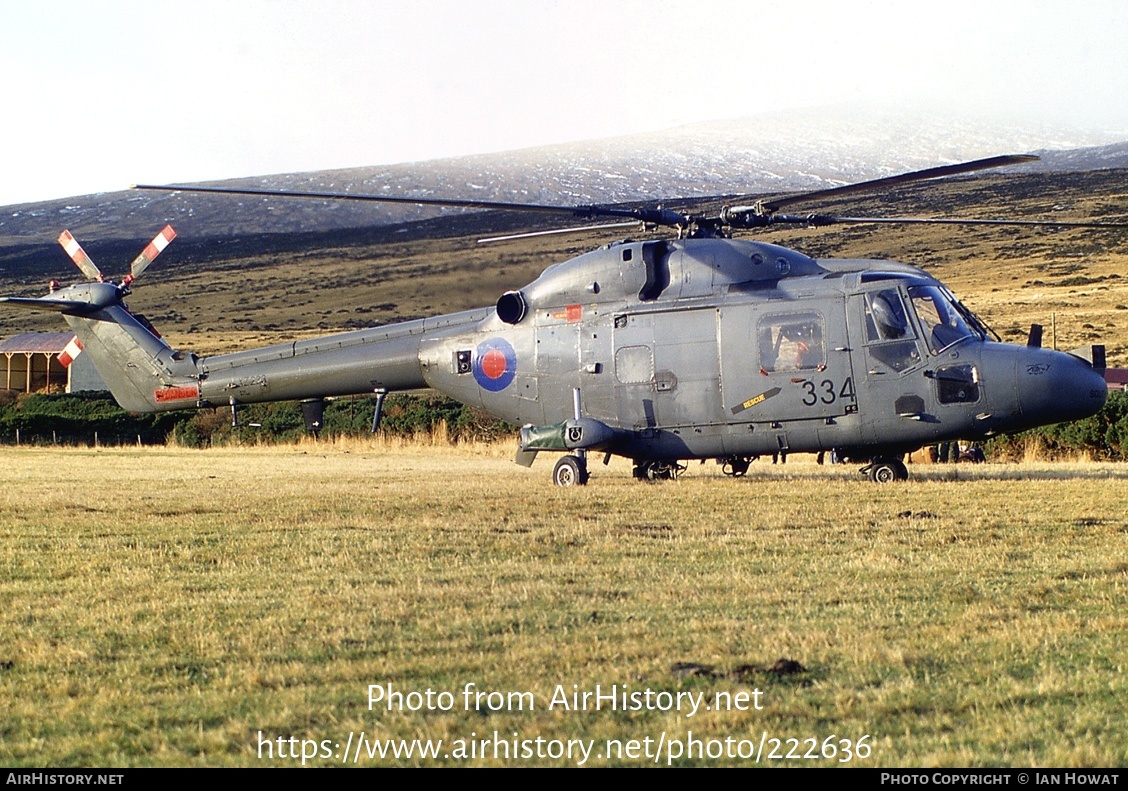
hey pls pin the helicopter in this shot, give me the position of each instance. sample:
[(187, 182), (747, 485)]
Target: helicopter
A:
[(696, 347)]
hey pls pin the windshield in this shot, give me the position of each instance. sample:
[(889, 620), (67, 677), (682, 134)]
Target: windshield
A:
[(976, 323), (941, 320)]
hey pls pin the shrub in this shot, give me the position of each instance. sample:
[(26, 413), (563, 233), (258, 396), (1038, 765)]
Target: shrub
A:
[(1103, 436)]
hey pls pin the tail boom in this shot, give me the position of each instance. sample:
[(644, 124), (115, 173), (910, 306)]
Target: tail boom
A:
[(145, 374)]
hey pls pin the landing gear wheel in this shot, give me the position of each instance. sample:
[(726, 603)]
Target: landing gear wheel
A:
[(887, 471), (650, 470), (570, 471), (736, 466)]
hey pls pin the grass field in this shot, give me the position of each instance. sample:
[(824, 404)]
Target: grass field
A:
[(173, 607)]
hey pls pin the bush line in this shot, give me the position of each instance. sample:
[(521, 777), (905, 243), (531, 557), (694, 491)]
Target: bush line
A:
[(75, 419)]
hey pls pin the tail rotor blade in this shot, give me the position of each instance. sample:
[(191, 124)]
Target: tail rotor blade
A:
[(151, 251), (79, 256)]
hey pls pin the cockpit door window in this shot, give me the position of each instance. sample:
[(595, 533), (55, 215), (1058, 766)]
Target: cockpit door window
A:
[(886, 319), (957, 384), (890, 347)]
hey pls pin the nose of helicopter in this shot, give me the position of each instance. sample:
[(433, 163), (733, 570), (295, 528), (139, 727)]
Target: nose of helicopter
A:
[(1055, 387)]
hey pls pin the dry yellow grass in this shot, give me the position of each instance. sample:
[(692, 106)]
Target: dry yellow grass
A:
[(163, 606)]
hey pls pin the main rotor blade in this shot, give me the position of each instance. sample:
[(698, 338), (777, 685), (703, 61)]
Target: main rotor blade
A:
[(824, 219), (904, 178), (580, 211), (579, 229)]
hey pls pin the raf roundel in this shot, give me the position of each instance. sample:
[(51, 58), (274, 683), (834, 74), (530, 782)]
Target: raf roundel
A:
[(495, 364)]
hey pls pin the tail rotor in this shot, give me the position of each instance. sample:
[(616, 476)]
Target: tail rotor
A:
[(143, 372), (83, 261)]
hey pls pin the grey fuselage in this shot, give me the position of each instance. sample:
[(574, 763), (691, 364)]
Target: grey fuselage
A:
[(696, 348)]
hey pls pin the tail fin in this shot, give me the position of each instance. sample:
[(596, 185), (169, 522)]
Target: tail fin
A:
[(142, 371)]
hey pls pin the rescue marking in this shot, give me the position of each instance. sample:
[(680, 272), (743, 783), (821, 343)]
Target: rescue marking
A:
[(751, 402), (495, 364), (177, 393)]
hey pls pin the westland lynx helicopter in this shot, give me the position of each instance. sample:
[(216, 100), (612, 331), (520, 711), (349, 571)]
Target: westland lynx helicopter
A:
[(696, 347)]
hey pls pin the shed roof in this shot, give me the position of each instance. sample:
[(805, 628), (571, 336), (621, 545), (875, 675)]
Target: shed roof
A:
[(36, 342)]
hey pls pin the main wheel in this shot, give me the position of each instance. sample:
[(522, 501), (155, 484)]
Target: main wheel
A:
[(736, 466), (570, 471), (644, 470), (888, 471)]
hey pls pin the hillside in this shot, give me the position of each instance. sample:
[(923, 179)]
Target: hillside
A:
[(764, 155), (217, 295)]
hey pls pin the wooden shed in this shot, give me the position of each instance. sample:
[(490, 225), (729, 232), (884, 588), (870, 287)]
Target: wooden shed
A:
[(33, 363)]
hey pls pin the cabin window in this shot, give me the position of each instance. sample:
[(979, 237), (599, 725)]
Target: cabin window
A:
[(793, 342), (957, 384)]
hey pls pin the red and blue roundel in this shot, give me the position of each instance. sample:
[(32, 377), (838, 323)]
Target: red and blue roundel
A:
[(495, 364)]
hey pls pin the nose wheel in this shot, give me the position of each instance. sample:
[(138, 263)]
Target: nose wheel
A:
[(886, 471), (570, 471)]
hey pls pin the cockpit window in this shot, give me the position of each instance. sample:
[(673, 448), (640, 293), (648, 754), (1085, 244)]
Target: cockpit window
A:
[(941, 320)]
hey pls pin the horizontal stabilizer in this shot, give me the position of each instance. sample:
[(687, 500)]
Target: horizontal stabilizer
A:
[(46, 303)]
